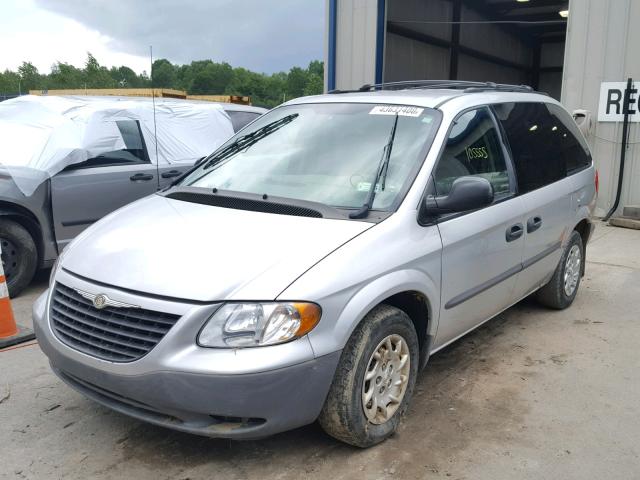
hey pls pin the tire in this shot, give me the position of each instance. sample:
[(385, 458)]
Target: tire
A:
[(19, 256), (343, 414), (554, 294)]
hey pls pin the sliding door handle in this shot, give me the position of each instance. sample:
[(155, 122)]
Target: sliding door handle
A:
[(514, 232), (534, 223)]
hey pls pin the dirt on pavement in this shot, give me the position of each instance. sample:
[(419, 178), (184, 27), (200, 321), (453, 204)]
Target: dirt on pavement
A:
[(534, 393)]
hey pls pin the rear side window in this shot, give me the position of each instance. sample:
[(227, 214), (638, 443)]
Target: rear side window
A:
[(571, 143), (473, 149), (544, 147), (240, 119), (134, 150)]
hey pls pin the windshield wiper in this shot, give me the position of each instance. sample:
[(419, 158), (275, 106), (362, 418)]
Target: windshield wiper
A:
[(245, 141), (381, 174)]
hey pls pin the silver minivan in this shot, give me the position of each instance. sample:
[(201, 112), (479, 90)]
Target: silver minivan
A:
[(308, 268)]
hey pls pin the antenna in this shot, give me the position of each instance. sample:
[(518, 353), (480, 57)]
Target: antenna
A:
[(155, 129)]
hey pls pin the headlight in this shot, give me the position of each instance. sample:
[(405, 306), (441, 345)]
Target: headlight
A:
[(237, 325)]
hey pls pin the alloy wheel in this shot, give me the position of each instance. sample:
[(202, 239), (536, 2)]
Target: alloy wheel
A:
[(386, 379), (572, 270)]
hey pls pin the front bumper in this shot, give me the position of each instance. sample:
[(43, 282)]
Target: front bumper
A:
[(243, 394)]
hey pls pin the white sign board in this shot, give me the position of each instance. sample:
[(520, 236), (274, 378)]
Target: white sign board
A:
[(610, 108)]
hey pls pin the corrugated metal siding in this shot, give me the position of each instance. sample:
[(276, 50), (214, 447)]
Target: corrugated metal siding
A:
[(471, 68), (603, 42), (403, 11), (412, 59), (492, 39), (356, 40)]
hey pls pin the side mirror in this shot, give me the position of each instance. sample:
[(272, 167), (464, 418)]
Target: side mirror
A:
[(467, 193)]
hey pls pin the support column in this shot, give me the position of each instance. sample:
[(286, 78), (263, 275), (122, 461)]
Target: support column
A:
[(454, 48)]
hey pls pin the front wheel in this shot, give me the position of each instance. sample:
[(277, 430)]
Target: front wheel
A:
[(374, 380), (562, 289), (19, 256)]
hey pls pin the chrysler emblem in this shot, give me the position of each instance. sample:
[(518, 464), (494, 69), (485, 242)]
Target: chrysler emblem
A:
[(101, 301)]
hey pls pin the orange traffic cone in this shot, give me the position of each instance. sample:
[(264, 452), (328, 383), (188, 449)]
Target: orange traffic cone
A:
[(10, 333)]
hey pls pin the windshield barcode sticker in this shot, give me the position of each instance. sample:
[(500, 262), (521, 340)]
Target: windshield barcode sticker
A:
[(401, 110)]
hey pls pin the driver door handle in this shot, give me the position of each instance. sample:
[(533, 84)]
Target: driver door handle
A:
[(514, 232), (141, 177), (534, 223)]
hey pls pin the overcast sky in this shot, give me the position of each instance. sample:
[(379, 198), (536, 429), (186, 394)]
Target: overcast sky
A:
[(262, 35)]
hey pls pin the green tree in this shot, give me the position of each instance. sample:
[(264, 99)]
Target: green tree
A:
[(163, 74), (95, 75), (208, 77), (30, 78), (314, 86), (316, 67), (125, 77), (10, 82), (198, 77), (63, 76), (296, 82)]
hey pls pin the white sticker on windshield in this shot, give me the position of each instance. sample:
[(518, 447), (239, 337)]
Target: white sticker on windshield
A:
[(401, 110), (366, 186)]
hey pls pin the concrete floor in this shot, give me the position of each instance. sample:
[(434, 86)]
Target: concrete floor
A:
[(532, 394)]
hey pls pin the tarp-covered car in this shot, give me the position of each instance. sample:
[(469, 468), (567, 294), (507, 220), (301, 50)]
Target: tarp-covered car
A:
[(66, 162)]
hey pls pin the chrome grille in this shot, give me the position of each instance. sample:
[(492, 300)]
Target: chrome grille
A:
[(114, 334)]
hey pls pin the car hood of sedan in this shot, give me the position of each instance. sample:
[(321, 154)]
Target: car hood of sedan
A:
[(190, 251)]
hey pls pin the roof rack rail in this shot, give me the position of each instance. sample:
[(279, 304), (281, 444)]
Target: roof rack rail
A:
[(467, 86)]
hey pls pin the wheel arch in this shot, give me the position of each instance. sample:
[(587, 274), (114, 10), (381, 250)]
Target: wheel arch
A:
[(583, 227), (417, 306), (411, 291)]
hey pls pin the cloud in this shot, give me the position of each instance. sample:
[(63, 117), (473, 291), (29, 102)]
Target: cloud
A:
[(262, 35), (29, 33)]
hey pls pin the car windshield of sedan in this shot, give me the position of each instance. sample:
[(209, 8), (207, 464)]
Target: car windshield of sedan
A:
[(329, 153)]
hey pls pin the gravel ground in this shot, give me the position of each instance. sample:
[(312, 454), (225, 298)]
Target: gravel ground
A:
[(531, 394)]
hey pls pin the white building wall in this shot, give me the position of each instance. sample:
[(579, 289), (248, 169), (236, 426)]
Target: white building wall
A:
[(603, 44), (356, 43)]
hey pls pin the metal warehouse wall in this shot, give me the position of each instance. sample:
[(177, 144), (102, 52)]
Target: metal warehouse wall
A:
[(603, 44), (370, 41), (412, 58), (354, 54)]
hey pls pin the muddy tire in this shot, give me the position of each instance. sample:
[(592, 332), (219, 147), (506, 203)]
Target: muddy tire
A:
[(381, 352), (19, 256), (562, 289)]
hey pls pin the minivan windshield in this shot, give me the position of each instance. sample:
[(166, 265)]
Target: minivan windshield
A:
[(325, 152)]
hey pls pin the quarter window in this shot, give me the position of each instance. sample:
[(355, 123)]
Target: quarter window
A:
[(239, 118), (473, 149), (133, 151), (570, 142)]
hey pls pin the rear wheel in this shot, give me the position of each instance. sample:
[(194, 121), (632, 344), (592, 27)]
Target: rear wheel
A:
[(562, 289), (374, 380), (19, 256)]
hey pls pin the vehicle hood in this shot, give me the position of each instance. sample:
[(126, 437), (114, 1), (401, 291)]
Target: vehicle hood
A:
[(190, 251)]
